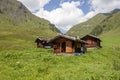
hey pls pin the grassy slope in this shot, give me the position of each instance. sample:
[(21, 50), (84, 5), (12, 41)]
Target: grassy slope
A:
[(86, 27), (111, 30), (42, 64), (19, 28), (110, 24)]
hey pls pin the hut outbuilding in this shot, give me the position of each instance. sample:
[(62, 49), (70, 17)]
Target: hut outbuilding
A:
[(92, 41), (42, 43)]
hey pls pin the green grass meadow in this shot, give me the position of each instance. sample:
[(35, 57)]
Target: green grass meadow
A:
[(21, 60), (42, 64)]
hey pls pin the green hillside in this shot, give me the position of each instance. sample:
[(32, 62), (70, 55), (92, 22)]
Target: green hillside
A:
[(111, 31), (110, 24), (20, 60), (105, 25), (86, 27), (101, 23), (42, 64), (19, 28)]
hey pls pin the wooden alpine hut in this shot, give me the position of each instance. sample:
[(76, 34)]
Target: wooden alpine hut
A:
[(66, 44), (92, 41), (42, 43)]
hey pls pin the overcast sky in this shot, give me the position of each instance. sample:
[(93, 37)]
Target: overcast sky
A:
[(67, 13)]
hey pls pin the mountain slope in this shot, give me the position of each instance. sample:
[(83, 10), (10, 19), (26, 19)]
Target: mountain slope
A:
[(97, 25), (110, 24), (86, 27), (111, 30), (19, 28)]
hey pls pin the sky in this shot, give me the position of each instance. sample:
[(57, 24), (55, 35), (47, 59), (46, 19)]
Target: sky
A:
[(64, 14)]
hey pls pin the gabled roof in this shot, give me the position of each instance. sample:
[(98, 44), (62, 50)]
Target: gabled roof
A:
[(67, 37), (90, 35), (42, 39)]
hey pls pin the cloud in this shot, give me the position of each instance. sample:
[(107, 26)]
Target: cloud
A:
[(104, 5), (64, 17), (34, 5), (68, 14), (90, 15), (61, 1)]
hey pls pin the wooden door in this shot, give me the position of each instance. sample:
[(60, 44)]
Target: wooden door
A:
[(63, 47), (69, 48)]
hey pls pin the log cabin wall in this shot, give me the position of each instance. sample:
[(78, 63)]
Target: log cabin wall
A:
[(63, 45), (39, 45), (56, 47), (69, 46), (91, 42), (42, 43)]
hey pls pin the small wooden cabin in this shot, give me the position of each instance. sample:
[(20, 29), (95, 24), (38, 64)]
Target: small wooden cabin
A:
[(42, 43), (66, 44), (92, 41)]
